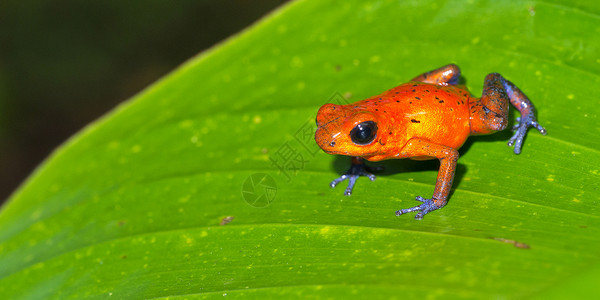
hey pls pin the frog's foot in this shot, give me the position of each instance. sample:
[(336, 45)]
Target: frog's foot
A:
[(520, 130), (423, 209), (355, 171)]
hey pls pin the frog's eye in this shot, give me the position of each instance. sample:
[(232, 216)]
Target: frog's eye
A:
[(364, 133)]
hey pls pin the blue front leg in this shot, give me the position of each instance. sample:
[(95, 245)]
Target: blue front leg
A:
[(357, 169)]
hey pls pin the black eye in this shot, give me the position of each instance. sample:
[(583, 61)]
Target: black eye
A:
[(364, 133)]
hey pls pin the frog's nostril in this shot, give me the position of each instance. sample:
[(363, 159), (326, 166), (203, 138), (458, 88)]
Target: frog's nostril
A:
[(332, 144)]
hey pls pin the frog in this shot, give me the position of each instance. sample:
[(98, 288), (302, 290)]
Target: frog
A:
[(429, 117)]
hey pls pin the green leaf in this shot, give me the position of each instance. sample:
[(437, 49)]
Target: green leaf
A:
[(149, 201)]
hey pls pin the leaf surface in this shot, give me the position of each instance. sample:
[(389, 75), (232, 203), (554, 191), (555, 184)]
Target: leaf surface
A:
[(160, 198)]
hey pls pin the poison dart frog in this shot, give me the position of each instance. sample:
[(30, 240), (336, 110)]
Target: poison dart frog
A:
[(427, 118)]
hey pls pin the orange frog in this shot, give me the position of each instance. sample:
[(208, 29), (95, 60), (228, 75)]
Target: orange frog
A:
[(429, 117)]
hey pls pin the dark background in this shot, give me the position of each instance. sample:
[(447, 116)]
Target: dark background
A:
[(65, 63)]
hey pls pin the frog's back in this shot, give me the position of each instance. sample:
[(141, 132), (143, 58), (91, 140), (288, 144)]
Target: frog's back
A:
[(437, 113)]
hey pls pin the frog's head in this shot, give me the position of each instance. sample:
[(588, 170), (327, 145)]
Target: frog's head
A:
[(350, 130)]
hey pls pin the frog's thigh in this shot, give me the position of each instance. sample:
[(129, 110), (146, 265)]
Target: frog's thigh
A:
[(490, 113), (445, 75)]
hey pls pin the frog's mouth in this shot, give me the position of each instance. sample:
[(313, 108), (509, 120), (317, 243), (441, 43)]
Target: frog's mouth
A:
[(327, 141), (331, 145), (331, 134), (326, 136)]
